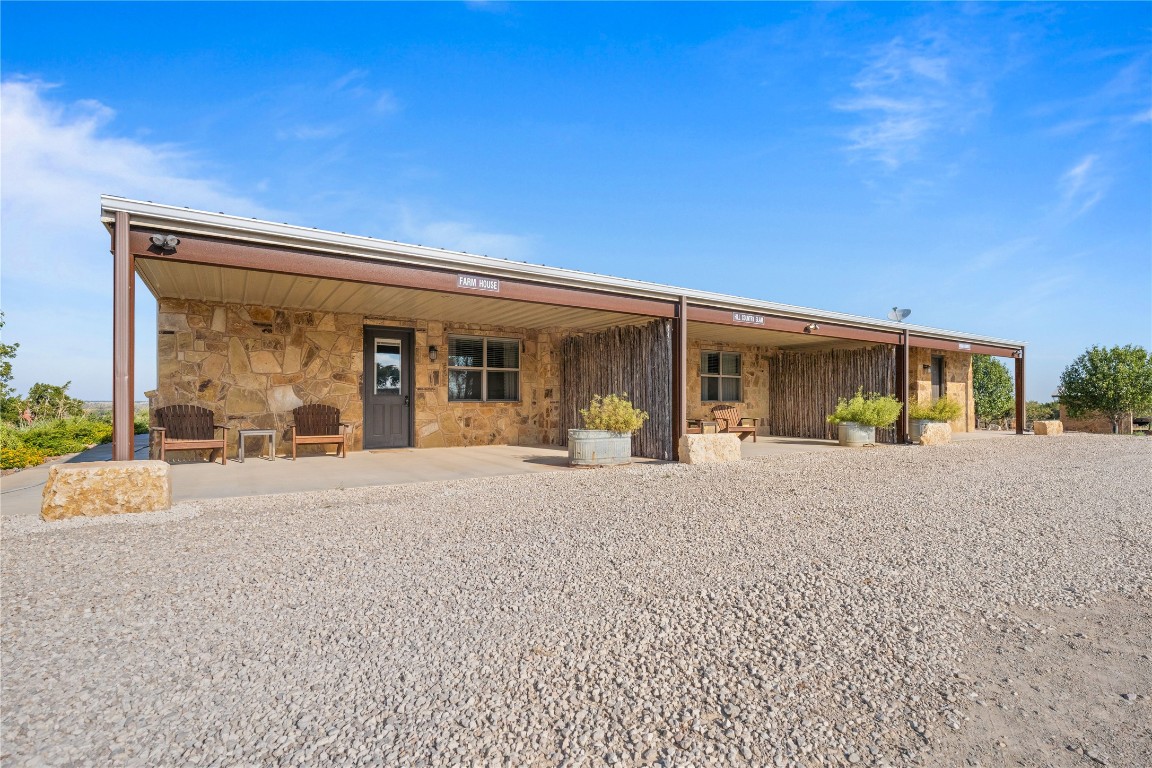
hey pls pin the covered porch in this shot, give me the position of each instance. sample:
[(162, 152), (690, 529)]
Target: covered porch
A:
[(423, 348)]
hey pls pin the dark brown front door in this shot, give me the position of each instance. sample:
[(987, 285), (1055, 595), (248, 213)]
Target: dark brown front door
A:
[(387, 387), (937, 377)]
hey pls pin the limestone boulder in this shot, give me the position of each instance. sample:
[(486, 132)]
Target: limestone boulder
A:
[(93, 488), (936, 434), (709, 449), (1054, 427)]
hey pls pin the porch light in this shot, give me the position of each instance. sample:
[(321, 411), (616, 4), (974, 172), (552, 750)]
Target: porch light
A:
[(1018, 354), (811, 327), (433, 353), (165, 242)]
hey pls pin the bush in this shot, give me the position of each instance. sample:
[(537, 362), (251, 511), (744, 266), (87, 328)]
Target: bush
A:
[(870, 410), (945, 409), (614, 413), (61, 436), (19, 457)]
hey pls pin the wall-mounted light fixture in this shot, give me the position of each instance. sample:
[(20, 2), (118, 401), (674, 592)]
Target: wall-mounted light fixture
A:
[(927, 367), (1018, 354), (165, 242), (433, 353), (811, 327)]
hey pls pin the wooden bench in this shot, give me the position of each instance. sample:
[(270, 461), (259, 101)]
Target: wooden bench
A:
[(730, 421), (189, 428), (319, 425)]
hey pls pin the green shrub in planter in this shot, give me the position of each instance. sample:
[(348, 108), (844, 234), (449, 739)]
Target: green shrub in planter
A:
[(613, 413), (870, 410), (945, 409)]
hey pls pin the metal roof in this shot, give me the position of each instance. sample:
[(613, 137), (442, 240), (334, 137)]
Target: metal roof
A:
[(274, 234)]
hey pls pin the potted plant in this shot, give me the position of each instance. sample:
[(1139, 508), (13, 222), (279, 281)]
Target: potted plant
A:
[(606, 439), (860, 415), (943, 410)]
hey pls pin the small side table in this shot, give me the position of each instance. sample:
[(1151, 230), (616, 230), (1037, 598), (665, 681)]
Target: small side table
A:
[(269, 433)]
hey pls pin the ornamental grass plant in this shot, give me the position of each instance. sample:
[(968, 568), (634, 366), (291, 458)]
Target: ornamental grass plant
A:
[(871, 410), (614, 413), (945, 409)]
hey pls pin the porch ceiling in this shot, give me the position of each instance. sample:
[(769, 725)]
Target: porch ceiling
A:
[(199, 282), (734, 334)]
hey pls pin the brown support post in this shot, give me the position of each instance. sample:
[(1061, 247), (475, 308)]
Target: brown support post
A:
[(123, 340), (904, 385), (680, 376), (1020, 402)]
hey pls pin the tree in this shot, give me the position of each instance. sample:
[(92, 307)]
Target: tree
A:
[(992, 389), (48, 401), (1038, 411), (9, 403), (1114, 382)]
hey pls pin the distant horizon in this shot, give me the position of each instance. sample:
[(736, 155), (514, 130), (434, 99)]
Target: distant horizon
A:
[(986, 165)]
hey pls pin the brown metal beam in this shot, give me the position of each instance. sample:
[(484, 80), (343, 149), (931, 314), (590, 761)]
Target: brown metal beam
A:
[(123, 341), (790, 325), (680, 376), (1021, 412), (904, 387), (951, 345), (200, 250)]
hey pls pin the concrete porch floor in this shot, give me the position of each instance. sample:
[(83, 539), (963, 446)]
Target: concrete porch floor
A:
[(20, 493)]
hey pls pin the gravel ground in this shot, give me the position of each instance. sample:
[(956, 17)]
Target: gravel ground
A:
[(846, 608)]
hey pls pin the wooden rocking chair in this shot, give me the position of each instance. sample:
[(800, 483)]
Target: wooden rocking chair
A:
[(319, 425), (189, 428), (728, 418)]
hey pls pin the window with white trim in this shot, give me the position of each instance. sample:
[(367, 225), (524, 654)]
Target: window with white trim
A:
[(720, 377), (482, 369)]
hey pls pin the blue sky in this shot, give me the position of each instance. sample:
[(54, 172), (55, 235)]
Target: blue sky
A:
[(987, 166)]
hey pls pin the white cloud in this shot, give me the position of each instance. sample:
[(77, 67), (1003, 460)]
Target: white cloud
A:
[(1081, 186), (387, 103), (907, 95), (57, 159), (460, 236)]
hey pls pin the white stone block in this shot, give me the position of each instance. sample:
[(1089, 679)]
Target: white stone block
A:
[(709, 449)]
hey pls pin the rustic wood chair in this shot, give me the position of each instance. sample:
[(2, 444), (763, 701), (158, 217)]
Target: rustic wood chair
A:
[(319, 425), (728, 417), (189, 428)]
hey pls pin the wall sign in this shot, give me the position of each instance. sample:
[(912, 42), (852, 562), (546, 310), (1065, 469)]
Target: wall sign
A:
[(962, 345), (478, 283), (742, 317)]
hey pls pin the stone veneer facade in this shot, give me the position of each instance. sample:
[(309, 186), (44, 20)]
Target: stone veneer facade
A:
[(252, 365), (753, 385), (957, 382)]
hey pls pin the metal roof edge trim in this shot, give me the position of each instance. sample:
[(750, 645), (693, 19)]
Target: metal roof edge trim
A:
[(292, 235)]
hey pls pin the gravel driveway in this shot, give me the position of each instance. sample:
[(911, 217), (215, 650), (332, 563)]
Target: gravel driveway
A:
[(847, 608)]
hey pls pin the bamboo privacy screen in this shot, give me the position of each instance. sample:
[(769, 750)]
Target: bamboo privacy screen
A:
[(803, 388), (632, 359)]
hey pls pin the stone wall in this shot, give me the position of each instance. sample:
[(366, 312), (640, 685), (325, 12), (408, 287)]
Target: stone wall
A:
[(753, 385), (252, 365), (957, 382), (1094, 422)]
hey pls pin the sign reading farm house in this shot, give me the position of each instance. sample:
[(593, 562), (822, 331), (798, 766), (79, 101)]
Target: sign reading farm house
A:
[(478, 283), (742, 317)]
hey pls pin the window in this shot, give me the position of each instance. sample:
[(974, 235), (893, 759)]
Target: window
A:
[(720, 377), (483, 369)]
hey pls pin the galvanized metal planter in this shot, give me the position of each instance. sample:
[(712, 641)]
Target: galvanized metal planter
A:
[(853, 435), (598, 447)]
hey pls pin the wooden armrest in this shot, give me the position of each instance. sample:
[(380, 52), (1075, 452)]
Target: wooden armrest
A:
[(748, 418), (221, 426), (157, 429)]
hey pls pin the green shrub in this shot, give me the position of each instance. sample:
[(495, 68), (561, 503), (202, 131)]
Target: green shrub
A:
[(61, 436), (614, 413), (945, 409), (870, 410), (20, 456), (140, 425)]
